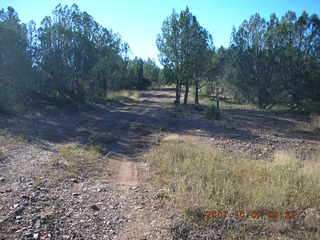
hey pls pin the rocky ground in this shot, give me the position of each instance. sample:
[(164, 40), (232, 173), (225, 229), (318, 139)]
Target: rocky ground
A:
[(113, 199)]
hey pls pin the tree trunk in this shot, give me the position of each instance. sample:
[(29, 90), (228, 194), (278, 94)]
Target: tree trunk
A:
[(186, 93), (196, 99), (178, 90), (218, 103)]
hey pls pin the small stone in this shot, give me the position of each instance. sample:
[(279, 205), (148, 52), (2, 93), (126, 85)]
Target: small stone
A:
[(18, 211), (75, 194), (135, 188), (25, 197), (2, 179), (28, 234), (95, 207), (37, 224), (18, 217), (2, 219), (74, 180), (36, 236)]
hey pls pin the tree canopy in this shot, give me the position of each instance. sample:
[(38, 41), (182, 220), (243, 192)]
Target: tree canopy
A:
[(72, 57)]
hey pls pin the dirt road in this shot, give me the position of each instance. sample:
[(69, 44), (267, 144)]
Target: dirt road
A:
[(113, 200)]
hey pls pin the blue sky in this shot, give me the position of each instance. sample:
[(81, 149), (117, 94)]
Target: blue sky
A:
[(139, 21)]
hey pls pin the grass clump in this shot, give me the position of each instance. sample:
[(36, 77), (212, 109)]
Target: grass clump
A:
[(73, 160)]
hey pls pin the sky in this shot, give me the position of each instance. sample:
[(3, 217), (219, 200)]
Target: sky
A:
[(139, 21)]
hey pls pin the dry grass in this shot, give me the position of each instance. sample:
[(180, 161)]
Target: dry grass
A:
[(213, 180), (225, 182), (123, 95), (73, 160)]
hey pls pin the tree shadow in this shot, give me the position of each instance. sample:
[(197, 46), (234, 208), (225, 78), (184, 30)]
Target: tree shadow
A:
[(128, 129), (277, 123)]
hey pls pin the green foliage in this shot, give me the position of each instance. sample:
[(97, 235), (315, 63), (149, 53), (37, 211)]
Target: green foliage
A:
[(72, 58), (184, 47), (79, 56), (15, 60), (151, 72), (276, 61)]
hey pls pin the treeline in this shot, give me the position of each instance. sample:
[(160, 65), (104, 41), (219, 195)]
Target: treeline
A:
[(268, 63), (70, 57)]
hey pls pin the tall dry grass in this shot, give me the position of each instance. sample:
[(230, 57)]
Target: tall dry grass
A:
[(222, 181)]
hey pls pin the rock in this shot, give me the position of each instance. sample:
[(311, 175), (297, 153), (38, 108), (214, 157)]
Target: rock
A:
[(18, 211), (28, 234), (75, 194), (2, 179), (94, 207), (115, 219), (135, 188), (312, 219), (74, 180), (37, 223), (25, 197), (3, 219)]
